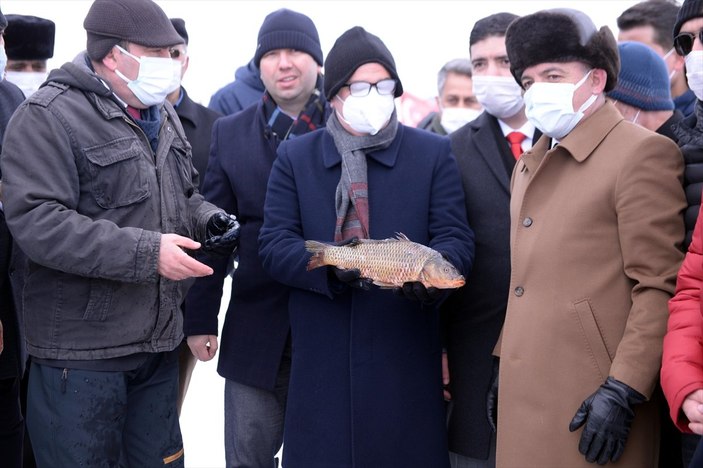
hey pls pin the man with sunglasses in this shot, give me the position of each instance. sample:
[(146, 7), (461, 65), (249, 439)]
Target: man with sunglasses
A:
[(595, 237), (366, 387), (100, 194), (682, 367)]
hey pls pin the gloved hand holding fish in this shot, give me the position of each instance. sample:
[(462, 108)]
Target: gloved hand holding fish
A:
[(389, 263)]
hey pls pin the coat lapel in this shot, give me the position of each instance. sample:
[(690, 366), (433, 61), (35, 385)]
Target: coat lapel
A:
[(487, 146)]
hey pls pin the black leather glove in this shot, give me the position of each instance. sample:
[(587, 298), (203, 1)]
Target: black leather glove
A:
[(416, 291), (492, 397), (222, 234), (350, 277), (607, 415)]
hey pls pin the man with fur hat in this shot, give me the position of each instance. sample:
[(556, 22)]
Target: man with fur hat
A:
[(29, 44), (255, 342), (13, 353), (101, 195), (366, 383), (596, 232)]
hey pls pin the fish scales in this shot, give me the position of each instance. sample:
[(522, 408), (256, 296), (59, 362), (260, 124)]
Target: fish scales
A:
[(396, 260), (387, 262)]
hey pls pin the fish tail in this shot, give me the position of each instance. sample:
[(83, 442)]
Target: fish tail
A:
[(318, 254)]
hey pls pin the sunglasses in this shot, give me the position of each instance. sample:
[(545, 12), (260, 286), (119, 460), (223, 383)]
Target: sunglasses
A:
[(683, 43), (362, 88)]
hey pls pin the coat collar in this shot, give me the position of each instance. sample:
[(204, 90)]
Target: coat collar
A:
[(386, 157), (186, 108), (582, 141)]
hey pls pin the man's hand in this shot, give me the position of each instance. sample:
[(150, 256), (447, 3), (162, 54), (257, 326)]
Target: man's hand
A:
[(174, 263), (606, 416), (203, 347), (693, 409), (445, 376)]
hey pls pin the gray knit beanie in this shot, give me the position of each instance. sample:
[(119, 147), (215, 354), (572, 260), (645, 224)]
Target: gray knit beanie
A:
[(142, 22)]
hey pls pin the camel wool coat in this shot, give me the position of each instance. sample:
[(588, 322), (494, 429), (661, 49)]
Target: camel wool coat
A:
[(596, 233)]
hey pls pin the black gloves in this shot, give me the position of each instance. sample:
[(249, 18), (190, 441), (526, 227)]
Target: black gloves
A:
[(492, 397), (222, 234), (416, 291), (607, 415), (352, 278)]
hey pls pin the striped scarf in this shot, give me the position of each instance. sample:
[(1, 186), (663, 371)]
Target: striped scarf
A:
[(351, 197), (309, 119)]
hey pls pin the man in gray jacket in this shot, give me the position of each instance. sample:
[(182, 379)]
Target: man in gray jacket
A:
[(100, 193)]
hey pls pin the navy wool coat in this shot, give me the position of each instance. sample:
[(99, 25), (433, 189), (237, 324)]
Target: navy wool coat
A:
[(365, 388), (241, 156)]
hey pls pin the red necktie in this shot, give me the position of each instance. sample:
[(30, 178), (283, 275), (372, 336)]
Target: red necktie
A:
[(515, 139)]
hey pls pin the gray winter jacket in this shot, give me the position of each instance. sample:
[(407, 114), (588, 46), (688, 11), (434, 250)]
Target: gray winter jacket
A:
[(87, 199)]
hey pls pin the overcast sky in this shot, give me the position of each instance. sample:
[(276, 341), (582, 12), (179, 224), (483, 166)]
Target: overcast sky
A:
[(421, 35)]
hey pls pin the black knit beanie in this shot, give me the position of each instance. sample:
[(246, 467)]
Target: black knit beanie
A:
[(142, 22), (351, 50), (29, 38), (287, 29), (3, 21), (690, 9)]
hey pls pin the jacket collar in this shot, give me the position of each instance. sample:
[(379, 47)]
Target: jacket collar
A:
[(583, 139)]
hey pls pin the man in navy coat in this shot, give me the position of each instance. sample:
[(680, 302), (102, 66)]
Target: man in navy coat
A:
[(366, 383), (474, 314), (255, 344)]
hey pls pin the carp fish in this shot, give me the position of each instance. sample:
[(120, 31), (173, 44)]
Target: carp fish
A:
[(388, 262)]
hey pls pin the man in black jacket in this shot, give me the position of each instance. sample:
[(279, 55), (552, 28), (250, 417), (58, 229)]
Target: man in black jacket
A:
[(474, 314), (197, 121)]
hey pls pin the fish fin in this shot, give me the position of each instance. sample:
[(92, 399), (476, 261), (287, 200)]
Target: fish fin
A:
[(401, 236), (384, 285), (318, 254)]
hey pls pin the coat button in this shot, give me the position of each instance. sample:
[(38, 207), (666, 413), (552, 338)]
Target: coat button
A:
[(527, 222), (519, 291)]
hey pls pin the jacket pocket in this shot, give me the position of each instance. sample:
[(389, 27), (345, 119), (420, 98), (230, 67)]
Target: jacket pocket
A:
[(99, 300), (118, 173), (594, 339)]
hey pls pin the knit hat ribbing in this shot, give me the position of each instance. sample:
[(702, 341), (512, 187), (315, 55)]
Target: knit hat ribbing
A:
[(643, 81), (142, 22), (352, 49), (689, 10), (287, 29)]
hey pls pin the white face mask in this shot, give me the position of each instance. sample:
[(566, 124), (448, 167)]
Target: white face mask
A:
[(367, 114), (454, 118), (28, 82), (549, 106), (3, 61), (501, 96), (694, 72), (157, 78)]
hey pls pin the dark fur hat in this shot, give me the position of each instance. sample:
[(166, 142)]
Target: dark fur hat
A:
[(561, 35), (29, 38)]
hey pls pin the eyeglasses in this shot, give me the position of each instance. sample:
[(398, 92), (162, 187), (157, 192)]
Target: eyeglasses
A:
[(683, 43), (362, 88)]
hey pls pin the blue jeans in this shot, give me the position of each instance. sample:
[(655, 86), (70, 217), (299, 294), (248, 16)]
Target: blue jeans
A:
[(254, 420), (92, 418)]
